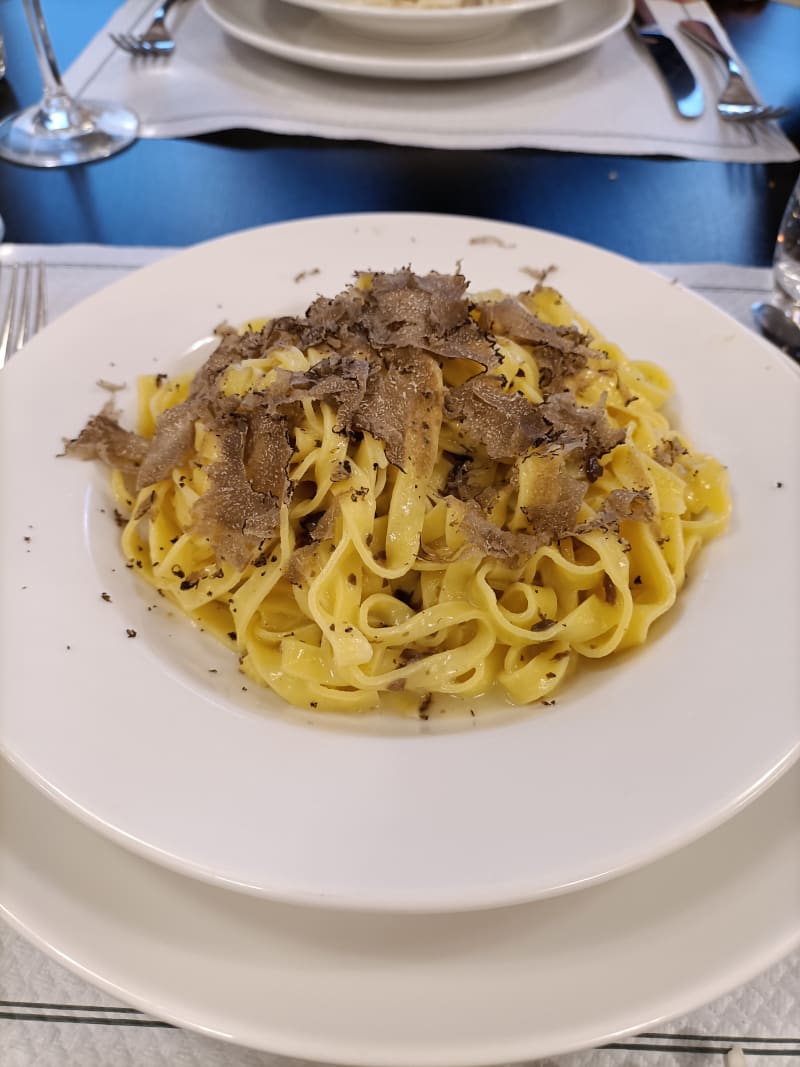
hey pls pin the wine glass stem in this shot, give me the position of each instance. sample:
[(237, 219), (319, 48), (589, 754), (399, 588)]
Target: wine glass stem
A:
[(58, 111), (51, 76)]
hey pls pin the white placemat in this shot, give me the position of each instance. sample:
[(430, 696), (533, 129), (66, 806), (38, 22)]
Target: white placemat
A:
[(610, 100), (51, 1018)]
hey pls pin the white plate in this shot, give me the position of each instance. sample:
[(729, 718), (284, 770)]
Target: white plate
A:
[(408, 22), (413, 991), (637, 757), (532, 40)]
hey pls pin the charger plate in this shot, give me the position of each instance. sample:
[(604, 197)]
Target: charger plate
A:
[(408, 991)]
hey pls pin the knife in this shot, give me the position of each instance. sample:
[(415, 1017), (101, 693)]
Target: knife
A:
[(686, 93)]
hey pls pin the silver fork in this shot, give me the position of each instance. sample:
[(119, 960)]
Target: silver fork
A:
[(736, 103), (156, 39), (25, 311)]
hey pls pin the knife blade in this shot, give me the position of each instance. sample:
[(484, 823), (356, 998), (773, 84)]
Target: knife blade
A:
[(685, 92)]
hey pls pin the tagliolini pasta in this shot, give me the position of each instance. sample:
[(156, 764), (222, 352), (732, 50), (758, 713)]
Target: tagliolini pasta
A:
[(413, 491)]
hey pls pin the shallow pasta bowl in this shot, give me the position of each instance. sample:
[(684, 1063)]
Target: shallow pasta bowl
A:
[(138, 723)]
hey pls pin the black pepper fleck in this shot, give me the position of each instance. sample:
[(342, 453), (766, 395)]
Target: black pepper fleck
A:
[(130, 633)]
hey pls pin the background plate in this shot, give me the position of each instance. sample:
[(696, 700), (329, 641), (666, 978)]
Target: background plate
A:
[(533, 40), (636, 758), (425, 25)]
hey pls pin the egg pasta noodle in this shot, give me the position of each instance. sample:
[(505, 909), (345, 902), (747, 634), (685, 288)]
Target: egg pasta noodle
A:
[(460, 518)]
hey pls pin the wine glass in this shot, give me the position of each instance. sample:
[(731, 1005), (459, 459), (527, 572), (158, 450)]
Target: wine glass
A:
[(779, 317), (59, 130), (787, 250)]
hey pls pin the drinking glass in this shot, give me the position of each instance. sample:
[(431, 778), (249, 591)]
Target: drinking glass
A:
[(787, 250), (59, 130)]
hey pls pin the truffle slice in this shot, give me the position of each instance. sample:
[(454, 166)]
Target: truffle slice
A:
[(560, 351), (554, 500), (403, 408), (174, 436), (634, 504), (340, 380), (397, 310), (504, 424), (489, 539), (103, 438), (233, 515), (585, 430)]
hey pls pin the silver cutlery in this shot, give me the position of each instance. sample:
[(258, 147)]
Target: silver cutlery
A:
[(736, 103), (156, 39), (25, 309), (778, 326), (685, 92)]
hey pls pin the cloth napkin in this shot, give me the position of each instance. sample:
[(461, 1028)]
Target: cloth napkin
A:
[(51, 1018), (609, 100)]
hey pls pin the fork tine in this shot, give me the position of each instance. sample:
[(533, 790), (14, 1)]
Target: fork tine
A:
[(25, 310), (136, 46), (21, 335), (40, 302), (125, 42), (758, 114), (776, 112), (5, 327)]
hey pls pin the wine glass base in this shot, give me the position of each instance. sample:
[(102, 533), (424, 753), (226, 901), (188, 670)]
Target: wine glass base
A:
[(107, 129)]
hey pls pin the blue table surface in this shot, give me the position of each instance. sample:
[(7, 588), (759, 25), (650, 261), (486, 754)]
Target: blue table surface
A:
[(177, 192)]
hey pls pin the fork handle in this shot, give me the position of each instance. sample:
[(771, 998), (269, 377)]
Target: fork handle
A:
[(703, 34), (162, 11)]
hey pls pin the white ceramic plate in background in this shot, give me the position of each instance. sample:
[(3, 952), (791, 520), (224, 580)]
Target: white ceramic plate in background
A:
[(424, 25), (416, 991), (535, 39), (637, 757)]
